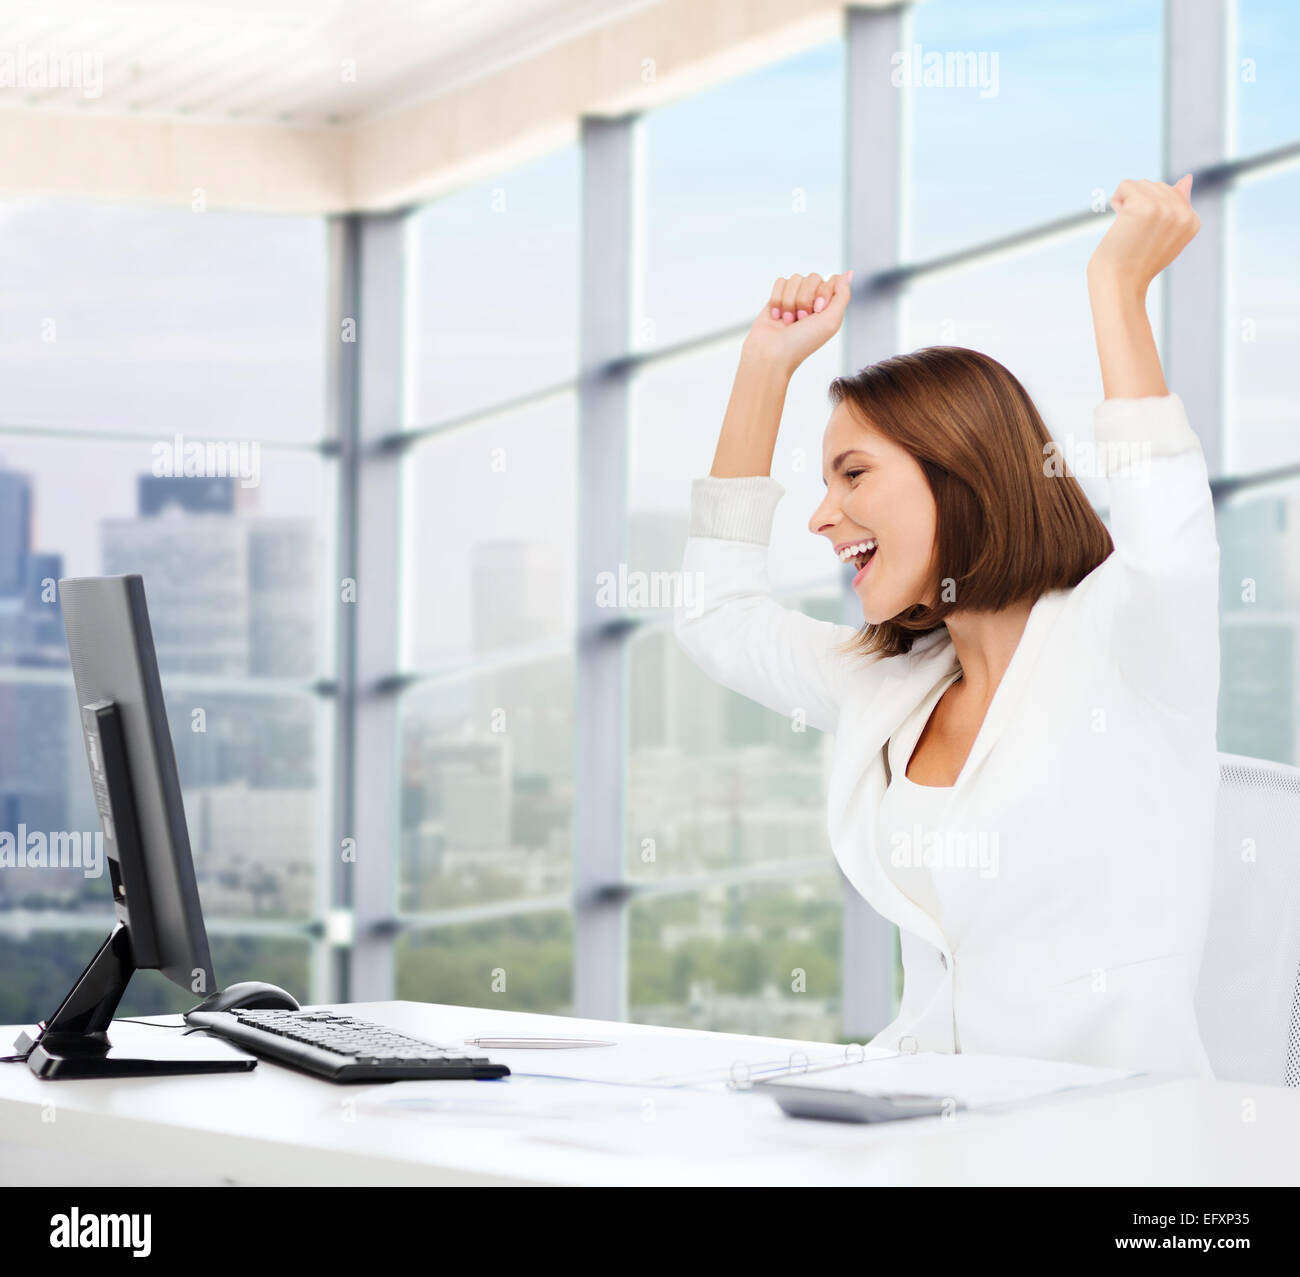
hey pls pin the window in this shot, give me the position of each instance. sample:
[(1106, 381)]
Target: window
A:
[(489, 535), (985, 86), (715, 781), (520, 963), (761, 958), (492, 290), (738, 185), (130, 334), (1259, 694), (1265, 101), (118, 318), (488, 545), (1262, 325), (487, 787)]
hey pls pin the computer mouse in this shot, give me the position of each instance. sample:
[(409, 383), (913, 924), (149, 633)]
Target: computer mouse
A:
[(252, 995)]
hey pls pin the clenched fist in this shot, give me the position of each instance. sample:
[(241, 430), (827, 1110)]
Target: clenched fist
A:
[(802, 313), (1155, 223)]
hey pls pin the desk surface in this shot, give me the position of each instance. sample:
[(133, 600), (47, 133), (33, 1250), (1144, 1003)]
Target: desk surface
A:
[(276, 1126)]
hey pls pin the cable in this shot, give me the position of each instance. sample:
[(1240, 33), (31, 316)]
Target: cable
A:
[(151, 1024)]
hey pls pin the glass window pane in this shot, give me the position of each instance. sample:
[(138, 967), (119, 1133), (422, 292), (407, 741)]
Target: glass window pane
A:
[(238, 579), (1076, 87), (157, 320), (1263, 324), (1262, 79), (42, 965), (490, 535), (253, 771), (520, 963), (714, 779), (487, 787), (492, 280), (250, 767), (739, 185), (729, 959), (1259, 693), (677, 407)]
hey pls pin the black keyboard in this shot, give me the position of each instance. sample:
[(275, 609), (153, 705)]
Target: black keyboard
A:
[(340, 1047)]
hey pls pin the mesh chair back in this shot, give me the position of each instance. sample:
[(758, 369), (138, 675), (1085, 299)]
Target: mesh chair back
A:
[(1248, 992)]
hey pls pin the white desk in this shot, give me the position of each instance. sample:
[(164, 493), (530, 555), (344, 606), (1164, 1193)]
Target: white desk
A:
[(277, 1126)]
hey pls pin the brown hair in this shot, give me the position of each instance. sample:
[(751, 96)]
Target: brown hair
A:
[(1006, 531)]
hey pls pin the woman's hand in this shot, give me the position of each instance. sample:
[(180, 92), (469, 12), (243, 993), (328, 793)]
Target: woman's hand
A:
[(1155, 223), (802, 313)]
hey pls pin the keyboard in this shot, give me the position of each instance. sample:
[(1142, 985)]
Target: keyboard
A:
[(340, 1047)]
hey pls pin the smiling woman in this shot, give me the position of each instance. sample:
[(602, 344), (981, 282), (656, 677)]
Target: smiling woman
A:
[(1013, 657)]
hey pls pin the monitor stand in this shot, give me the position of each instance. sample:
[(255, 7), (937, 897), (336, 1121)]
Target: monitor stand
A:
[(73, 1042)]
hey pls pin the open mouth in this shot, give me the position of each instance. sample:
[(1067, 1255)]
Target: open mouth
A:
[(863, 563), (866, 551)]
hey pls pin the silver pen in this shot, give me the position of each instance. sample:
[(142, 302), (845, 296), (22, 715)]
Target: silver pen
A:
[(503, 1044)]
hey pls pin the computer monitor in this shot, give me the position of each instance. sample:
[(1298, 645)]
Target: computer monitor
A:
[(159, 921)]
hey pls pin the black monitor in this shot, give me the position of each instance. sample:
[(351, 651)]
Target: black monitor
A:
[(159, 921)]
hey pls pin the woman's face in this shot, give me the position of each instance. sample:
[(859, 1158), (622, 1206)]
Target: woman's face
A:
[(876, 490)]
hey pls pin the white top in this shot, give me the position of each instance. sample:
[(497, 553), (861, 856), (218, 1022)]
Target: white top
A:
[(1085, 811), (912, 817)]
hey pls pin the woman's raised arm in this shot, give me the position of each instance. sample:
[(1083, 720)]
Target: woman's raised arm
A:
[(801, 315), (735, 632), (1154, 223), (1166, 561)]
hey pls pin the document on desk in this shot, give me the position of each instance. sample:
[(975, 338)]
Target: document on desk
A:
[(513, 1098), (709, 1061), (975, 1081), (676, 1122)]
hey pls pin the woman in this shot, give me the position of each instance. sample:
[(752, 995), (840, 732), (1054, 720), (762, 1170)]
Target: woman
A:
[(1024, 769)]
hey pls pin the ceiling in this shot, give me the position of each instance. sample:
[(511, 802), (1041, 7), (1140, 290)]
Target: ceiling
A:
[(328, 106), (287, 62)]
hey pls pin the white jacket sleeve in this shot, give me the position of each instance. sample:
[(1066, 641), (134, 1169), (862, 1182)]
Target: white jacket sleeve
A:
[(1165, 568), (732, 629)]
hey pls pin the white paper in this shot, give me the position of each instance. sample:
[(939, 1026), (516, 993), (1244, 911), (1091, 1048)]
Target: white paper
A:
[(668, 1061), (512, 1098)]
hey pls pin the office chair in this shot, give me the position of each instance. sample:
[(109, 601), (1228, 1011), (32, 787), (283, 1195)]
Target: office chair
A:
[(1248, 993)]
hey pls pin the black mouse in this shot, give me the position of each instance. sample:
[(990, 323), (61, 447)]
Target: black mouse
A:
[(252, 995)]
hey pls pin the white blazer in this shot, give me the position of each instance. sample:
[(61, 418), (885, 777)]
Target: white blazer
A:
[(1094, 773)]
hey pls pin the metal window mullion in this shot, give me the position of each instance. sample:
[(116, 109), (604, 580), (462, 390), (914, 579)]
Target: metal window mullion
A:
[(600, 911), (1195, 129), (330, 975), (369, 545), (872, 192)]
